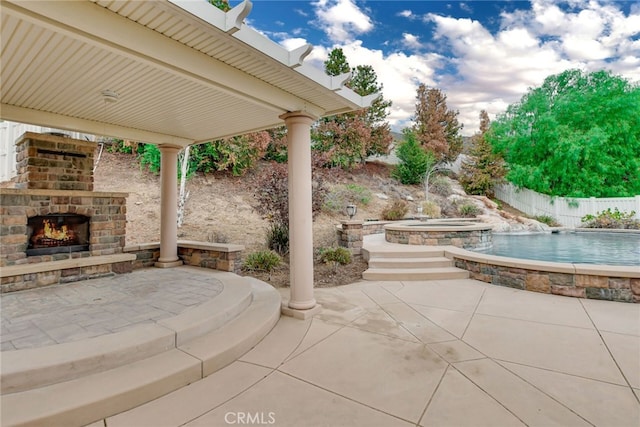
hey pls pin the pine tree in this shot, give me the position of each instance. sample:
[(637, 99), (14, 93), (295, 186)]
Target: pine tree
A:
[(414, 161), (437, 127), (337, 63), (350, 138), (483, 168)]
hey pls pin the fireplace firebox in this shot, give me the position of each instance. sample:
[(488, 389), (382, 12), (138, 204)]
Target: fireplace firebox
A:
[(57, 233)]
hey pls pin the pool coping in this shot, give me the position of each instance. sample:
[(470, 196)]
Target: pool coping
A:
[(555, 267)]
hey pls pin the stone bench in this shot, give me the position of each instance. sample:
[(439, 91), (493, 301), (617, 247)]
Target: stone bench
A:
[(34, 275), (218, 256)]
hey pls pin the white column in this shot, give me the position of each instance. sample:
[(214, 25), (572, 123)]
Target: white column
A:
[(301, 304), (168, 207)]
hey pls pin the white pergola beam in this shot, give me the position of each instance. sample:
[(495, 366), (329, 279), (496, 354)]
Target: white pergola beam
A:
[(59, 121)]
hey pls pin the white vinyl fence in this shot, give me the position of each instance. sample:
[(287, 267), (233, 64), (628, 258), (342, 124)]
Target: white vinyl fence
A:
[(567, 211), (10, 132)]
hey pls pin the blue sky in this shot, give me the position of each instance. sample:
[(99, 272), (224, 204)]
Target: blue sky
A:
[(482, 54)]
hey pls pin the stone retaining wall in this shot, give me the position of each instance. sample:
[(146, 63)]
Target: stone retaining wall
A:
[(612, 283), (218, 256)]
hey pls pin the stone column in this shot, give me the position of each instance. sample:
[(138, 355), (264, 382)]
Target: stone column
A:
[(351, 236), (301, 304), (169, 207)]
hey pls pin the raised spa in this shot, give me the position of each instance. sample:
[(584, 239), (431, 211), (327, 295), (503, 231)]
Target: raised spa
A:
[(459, 232)]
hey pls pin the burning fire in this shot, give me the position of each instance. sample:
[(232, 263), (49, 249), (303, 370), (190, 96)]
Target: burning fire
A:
[(52, 232)]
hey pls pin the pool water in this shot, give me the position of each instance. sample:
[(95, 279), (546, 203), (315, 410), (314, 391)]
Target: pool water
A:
[(583, 248)]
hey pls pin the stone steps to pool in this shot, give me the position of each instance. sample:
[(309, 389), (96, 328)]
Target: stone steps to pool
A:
[(410, 263), (430, 262), (77, 383)]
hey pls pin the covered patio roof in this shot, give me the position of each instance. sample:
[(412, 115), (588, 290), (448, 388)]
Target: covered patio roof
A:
[(183, 72)]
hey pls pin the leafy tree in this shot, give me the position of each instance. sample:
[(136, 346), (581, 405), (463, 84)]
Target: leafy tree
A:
[(348, 139), (414, 161), (237, 154), (483, 168), (577, 135), (437, 127), (277, 146)]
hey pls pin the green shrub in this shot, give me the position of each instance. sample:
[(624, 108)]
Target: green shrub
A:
[(278, 238), (395, 210), (414, 161), (150, 157), (335, 256), (341, 196), (262, 261), (546, 219), (469, 210), (611, 219)]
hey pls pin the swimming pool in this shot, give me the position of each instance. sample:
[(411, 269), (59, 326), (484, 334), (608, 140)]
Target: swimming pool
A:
[(571, 247)]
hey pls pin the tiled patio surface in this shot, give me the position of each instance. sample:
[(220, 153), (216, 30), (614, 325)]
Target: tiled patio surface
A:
[(438, 353), (91, 308)]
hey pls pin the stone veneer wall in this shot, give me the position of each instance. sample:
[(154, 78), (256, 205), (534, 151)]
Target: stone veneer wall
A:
[(29, 276), (107, 226), (612, 283), (468, 239), (350, 233), (54, 163), (218, 256)]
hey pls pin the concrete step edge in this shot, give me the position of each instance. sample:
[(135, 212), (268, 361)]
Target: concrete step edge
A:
[(84, 400), (441, 273), (38, 367), (99, 395), (409, 252), (219, 348)]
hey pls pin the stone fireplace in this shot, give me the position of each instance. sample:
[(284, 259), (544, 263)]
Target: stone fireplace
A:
[(53, 217)]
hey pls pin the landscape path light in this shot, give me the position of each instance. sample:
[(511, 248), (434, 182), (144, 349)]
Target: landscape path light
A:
[(351, 210)]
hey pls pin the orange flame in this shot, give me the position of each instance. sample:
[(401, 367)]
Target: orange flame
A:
[(53, 232)]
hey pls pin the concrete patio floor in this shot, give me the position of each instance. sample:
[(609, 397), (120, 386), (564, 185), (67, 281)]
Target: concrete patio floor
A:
[(432, 353), (437, 353)]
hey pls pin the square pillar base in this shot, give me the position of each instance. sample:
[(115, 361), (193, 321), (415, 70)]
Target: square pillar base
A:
[(300, 314)]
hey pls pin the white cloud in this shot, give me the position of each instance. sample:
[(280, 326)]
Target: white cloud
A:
[(411, 41), (495, 70), (464, 6), (483, 69), (407, 14), (399, 73), (342, 20)]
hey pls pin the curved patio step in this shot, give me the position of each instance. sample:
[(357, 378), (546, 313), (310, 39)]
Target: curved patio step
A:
[(37, 367), (95, 395), (395, 274)]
